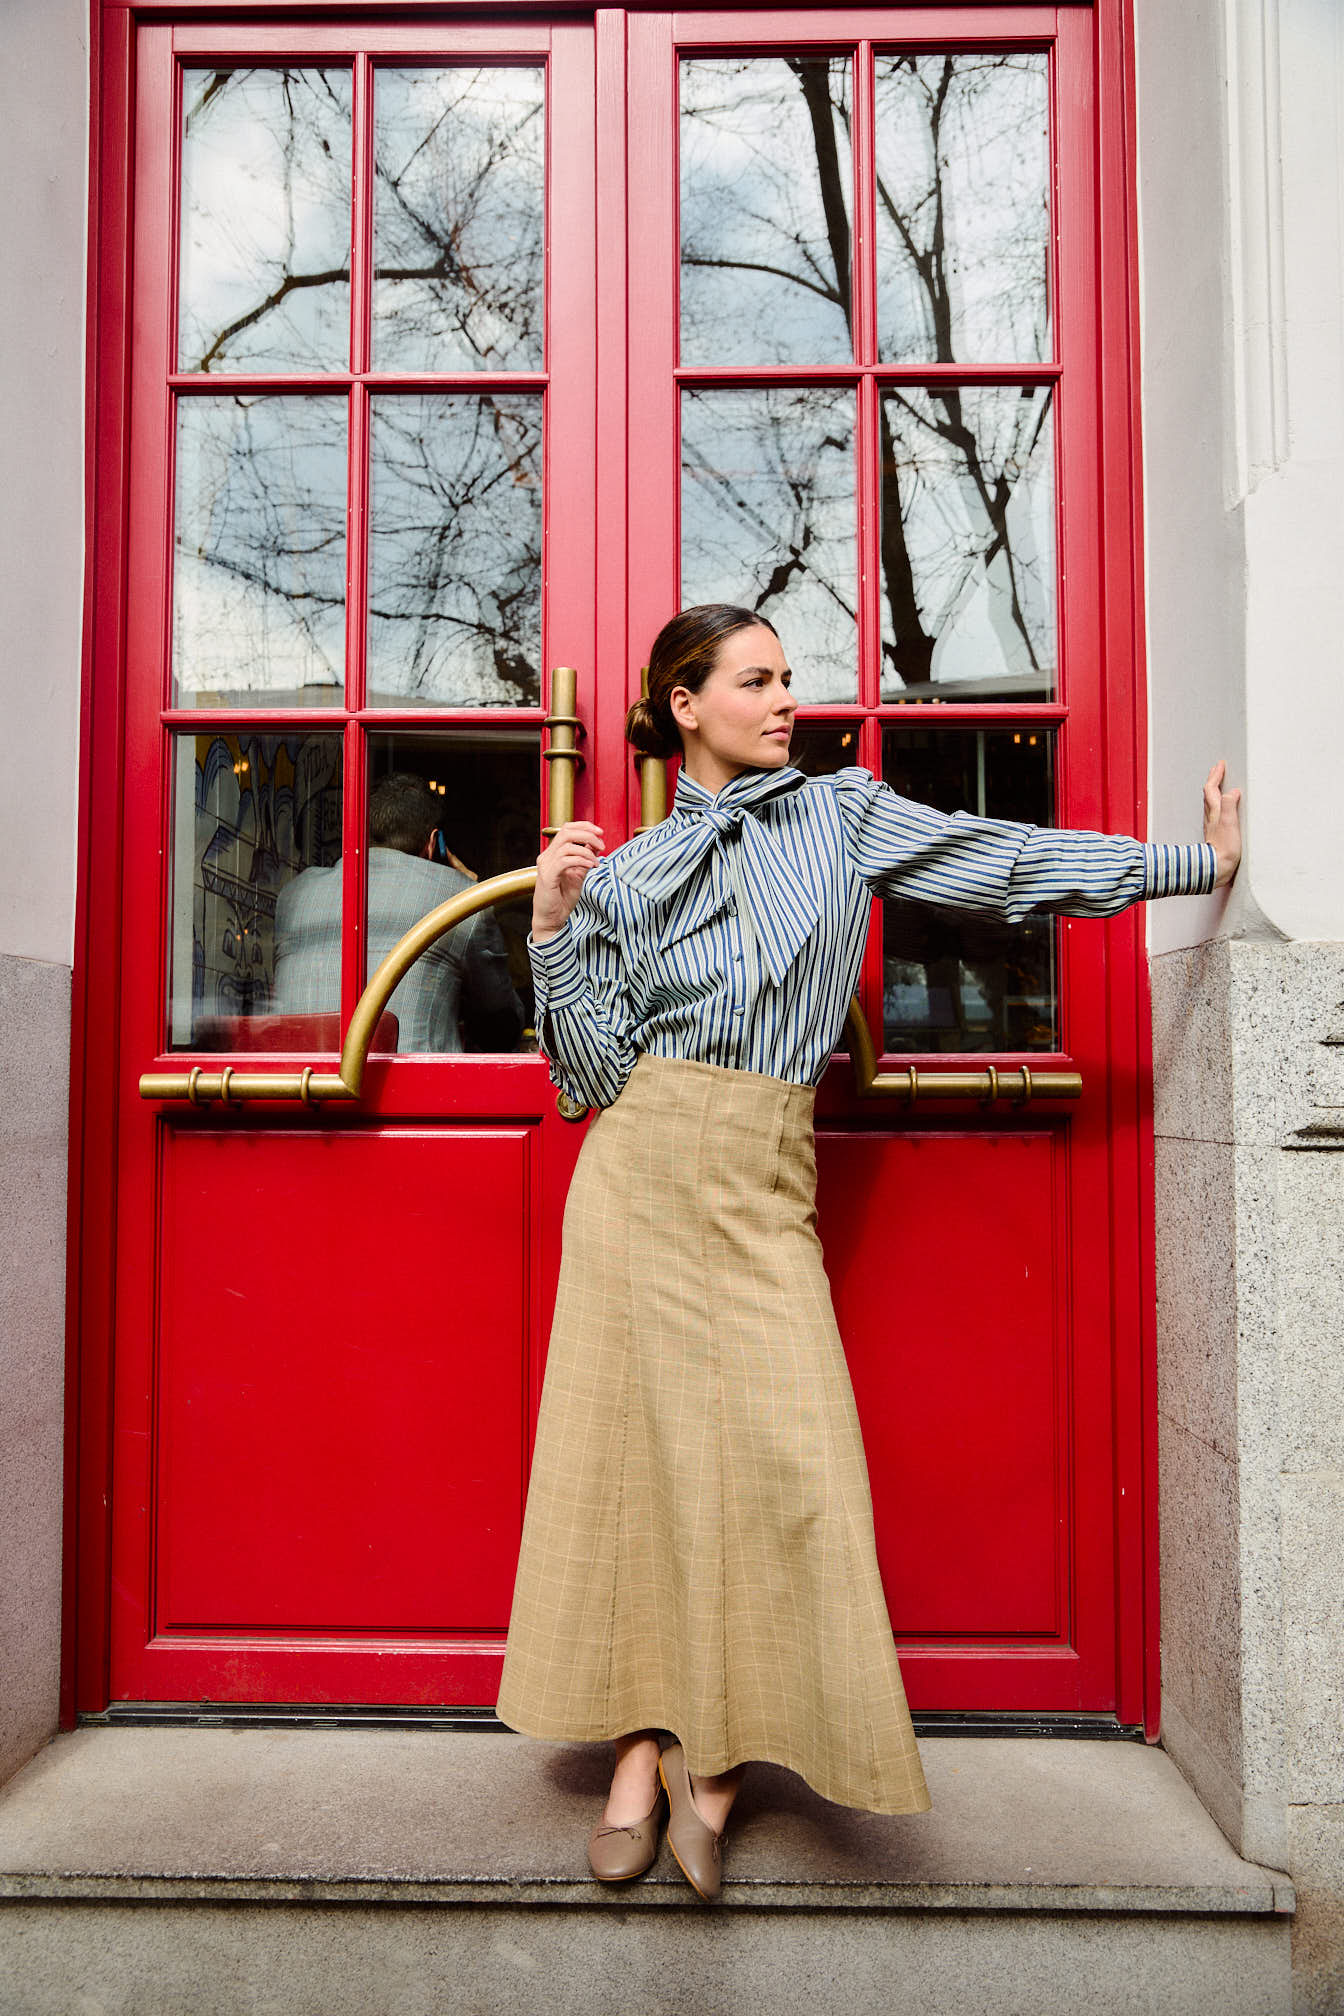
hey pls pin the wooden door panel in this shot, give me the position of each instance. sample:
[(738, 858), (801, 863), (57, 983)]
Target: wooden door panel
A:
[(341, 1384), (957, 1374)]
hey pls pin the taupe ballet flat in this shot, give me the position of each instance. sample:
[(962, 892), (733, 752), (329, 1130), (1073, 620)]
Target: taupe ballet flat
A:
[(691, 1838), (617, 1853)]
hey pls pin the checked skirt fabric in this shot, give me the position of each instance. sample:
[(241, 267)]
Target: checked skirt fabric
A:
[(697, 1550)]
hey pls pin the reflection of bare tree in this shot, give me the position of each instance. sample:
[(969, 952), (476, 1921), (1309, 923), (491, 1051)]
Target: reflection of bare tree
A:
[(766, 278), (455, 536), (963, 472), (265, 219), (961, 196), (962, 219), (765, 248), (458, 238), (458, 231), (455, 549), (768, 501), (259, 581)]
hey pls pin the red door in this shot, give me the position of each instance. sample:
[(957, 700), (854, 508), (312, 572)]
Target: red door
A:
[(457, 353)]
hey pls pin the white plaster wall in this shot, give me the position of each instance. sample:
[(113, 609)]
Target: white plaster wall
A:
[(43, 156), (1291, 478), (1241, 218), (1194, 562)]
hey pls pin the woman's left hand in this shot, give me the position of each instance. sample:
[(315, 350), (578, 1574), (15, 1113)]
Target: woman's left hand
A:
[(1222, 823)]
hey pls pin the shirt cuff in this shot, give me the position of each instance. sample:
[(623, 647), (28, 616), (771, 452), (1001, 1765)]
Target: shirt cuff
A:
[(1177, 870), (556, 966)]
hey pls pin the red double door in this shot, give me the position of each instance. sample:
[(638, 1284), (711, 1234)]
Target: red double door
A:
[(437, 355)]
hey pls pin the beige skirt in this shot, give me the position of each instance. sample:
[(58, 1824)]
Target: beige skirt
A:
[(697, 1550)]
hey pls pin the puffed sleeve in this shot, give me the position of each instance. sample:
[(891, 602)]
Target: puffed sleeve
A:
[(583, 1012), (902, 848)]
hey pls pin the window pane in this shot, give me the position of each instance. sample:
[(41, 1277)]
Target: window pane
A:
[(480, 794), (955, 980), (968, 544), (251, 813), (765, 210), (455, 551), (767, 521), (820, 747), (458, 220), (259, 574), (265, 279), (963, 221)]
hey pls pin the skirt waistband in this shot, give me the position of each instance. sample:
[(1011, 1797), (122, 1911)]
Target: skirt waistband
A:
[(732, 1082)]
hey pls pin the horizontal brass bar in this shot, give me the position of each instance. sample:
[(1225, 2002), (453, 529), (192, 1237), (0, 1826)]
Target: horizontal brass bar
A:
[(990, 1085), (235, 1088)]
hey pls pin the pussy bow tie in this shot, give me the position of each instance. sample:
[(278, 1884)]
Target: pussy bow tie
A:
[(783, 913)]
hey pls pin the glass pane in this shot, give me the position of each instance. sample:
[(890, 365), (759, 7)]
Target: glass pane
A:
[(254, 818), (265, 280), (818, 748), (445, 811), (968, 544), (455, 551), (767, 521), (963, 218), (955, 980), (259, 573), (458, 220), (765, 210)]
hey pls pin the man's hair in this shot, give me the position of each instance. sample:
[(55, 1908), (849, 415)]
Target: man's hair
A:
[(403, 812)]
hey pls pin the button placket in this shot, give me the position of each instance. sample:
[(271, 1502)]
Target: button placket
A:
[(740, 903)]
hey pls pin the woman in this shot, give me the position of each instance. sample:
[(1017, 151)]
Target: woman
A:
[(697, 1552)]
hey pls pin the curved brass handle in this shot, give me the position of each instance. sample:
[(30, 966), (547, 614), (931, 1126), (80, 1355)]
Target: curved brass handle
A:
[(314, 1088), (989, 1085), (232, 1087)]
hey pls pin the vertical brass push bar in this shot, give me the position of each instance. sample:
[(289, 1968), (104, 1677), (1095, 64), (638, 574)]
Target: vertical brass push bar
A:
[(652, 778), (562, 752)]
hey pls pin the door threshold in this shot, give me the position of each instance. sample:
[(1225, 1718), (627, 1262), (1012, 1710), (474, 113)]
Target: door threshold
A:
[(353, 1715)]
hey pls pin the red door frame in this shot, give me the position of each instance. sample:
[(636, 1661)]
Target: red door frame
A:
[(1107, 783)]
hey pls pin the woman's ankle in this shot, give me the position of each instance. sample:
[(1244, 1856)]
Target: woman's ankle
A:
[(634, 1781)]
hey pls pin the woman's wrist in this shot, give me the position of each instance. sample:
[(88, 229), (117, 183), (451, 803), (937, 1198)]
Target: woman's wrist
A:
[(545, 929)]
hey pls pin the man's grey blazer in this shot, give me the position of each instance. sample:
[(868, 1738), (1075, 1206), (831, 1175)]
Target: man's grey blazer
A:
[(457, 996)]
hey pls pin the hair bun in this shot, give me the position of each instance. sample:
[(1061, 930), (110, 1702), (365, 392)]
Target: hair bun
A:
[(648, 734)]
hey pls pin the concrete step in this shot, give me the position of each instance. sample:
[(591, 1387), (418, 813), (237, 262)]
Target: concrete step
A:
[(208, 1872)]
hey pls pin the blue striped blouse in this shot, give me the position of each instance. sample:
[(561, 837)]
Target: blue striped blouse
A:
[(733, 931)]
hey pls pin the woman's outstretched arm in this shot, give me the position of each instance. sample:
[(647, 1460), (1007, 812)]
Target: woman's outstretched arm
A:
[(903, 848), (583, 1012)]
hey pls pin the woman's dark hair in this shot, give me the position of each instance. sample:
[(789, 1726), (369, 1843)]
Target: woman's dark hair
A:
[(684, 653)]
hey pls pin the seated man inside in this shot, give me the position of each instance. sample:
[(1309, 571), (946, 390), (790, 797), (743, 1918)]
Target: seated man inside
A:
[(458, 995)]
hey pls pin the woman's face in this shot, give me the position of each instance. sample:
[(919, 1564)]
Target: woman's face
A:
[(743, 714)]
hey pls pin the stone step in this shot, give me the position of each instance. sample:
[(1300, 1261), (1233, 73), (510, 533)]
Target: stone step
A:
[(203, 1872)]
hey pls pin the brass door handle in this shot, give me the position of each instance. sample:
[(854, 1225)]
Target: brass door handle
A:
[(562, 751), (652, 778), (989, 1085), (315, 1088)]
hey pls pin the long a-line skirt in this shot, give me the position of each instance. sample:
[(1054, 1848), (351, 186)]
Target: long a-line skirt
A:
[(697, 1551)]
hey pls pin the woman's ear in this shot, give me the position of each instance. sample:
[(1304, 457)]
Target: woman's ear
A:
[(681, 704)]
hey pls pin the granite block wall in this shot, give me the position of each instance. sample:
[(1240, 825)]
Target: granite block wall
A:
[(35, 1011), (1249, 1122)]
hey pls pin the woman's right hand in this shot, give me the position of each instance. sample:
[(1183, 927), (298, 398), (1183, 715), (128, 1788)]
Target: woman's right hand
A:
[(561, 867)]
